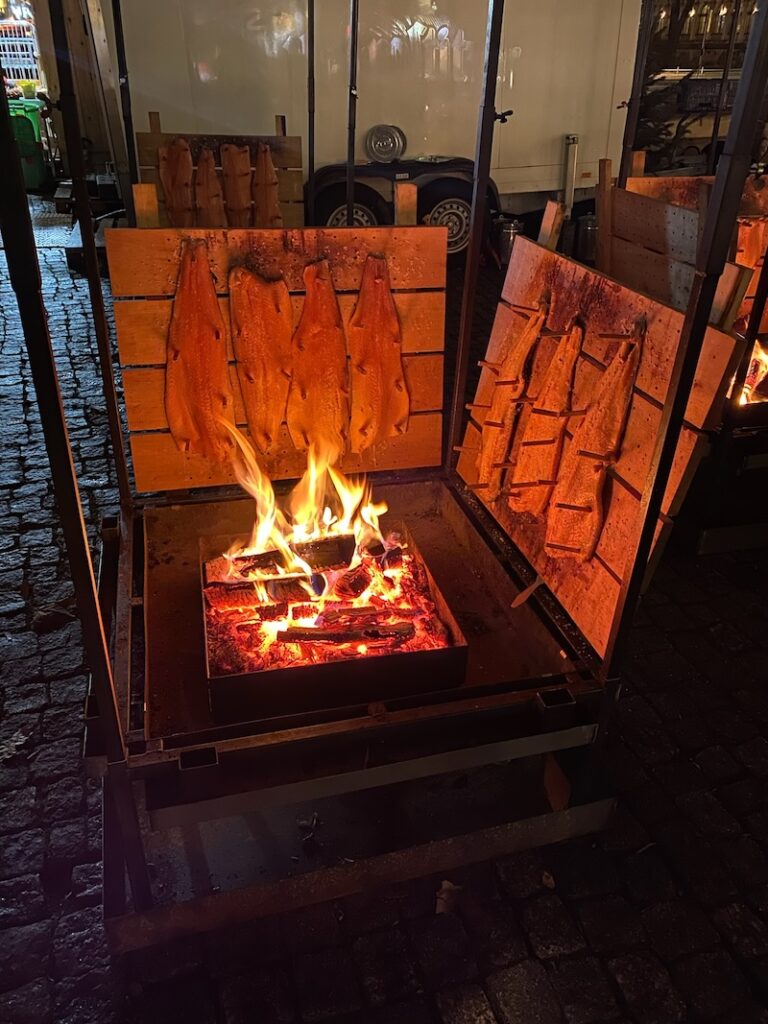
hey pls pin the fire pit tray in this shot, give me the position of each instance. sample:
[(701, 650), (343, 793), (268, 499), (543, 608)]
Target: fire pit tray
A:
[(353, 680)]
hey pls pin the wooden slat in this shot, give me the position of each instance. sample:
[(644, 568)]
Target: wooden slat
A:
[(143, 263), (286, 150), (551, 224), (145, 206), (406, 197), (159, 465), (655, 224), (664, 279), (142, 325), (682, 190), (145, 391)]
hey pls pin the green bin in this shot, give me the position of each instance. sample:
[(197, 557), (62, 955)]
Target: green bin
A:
[(27, 131)]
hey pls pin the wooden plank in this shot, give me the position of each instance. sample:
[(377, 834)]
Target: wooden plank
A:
[(280, 125), (604, 208), (637, 166), (145, 206), (655, 224), (664, 279), (290, 183), (142, 325), (143, 263), (406, 196), (286, 150), (159, 465), (682, 190), (145, 391), (551, 224), (731, 290)]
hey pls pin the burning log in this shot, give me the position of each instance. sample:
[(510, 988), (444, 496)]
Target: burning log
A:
[(358, 634), (226, 597), (321, 555), (355, 582), (294, 588)]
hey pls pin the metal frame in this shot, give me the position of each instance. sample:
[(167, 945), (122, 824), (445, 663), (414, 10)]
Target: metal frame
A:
[(638, 80), (723, 90), (354, 13), (121, 763)]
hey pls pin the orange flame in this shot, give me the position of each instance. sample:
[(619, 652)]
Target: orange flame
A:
[(758, 371)]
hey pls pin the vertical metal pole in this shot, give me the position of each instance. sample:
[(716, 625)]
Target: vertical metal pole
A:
[(354, 15), (721, 217), (125, 92), (72, 135), (482, 172), (645, 32), (723, 91), (24, 274), (310, 111)]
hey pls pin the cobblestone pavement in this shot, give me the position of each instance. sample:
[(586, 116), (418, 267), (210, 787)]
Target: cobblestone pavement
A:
[(661, 919)]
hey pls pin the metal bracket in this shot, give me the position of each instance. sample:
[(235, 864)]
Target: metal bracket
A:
[(504, 116)]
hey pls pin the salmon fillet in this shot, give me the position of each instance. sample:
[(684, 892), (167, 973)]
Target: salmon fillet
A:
[(209, 198), (500, 419), (197, 388), (176, 178), (266, 201), (380, 401), (576, 515), (318, 399), (236, 171), (262, 324), (541, 443)]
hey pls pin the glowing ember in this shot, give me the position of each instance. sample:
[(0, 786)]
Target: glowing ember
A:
[(758, 371), (317, 581)]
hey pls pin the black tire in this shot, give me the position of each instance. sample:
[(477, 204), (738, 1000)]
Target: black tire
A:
[(448, 203), (331, 207)]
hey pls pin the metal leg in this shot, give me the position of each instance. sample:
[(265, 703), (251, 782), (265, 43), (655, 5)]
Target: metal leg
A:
[(723, 91), (354, 18), (310, 111), (477, 222), (713, 252), (125, 92), (24, 274), (638, 80), (72, 134)]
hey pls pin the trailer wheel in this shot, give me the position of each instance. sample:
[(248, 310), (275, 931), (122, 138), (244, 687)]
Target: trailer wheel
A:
[(369, 210), (448, 203)]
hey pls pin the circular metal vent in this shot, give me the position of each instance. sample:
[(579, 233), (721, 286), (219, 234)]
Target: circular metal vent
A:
[(384, 143)]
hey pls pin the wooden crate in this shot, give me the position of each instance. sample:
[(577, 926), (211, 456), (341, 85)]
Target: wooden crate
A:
[(286, 156), (143, 268), (649, 242), (591, 592)]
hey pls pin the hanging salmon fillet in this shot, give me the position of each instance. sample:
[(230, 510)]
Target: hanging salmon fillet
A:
[(380, 401), (262, 323), (266, 202), (236, 171), (176, 178), (575, 518), (318, 400), (509, 386), (538, 456), (197, 388), (209, 198)]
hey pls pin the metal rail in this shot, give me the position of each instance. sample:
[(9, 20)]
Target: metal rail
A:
[(723, 90), (354, 18), (310, 111), (24, 274), (482, 175), (636, 97), (73, 138), (722, 213), (125, 91)]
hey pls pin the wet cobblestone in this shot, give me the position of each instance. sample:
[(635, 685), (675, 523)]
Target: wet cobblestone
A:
[(662, 919)]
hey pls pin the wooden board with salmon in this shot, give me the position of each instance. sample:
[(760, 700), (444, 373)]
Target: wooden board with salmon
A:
[(598, 380)]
